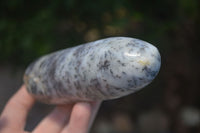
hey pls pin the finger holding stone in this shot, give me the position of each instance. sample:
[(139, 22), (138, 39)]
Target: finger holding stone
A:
[(55, 121), (15, 112), (82, 117)]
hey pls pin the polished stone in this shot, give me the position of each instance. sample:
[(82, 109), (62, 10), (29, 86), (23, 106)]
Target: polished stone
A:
[(100, 70)]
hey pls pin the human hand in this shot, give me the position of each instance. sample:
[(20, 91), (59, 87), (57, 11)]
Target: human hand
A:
[(71, 118)]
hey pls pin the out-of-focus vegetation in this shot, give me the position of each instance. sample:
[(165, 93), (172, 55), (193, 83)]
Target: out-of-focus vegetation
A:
[(31, 28)]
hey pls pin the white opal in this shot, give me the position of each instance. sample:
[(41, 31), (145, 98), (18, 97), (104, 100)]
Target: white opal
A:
[(100, 70)]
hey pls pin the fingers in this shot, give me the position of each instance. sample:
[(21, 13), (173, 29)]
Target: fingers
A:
[(81, 117), (55, 121), (64, 118), (17, 108)]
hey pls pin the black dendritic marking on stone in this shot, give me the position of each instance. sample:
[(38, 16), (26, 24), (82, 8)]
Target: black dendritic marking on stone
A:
[(131, 44), (33, 88), (78, 51), (75, 76), (58, 86), (109, 52), (111, 72), (105, 55), (117, 76), (77, 85), (158, 58), (52, 70), (124, 73), (97, 86), (121, 63), (149, 72), (105, 65), (142, 50), (131, 83)]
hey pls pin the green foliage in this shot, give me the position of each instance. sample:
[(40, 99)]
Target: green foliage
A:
[(29, 29)]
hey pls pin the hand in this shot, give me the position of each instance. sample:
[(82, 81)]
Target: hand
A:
[(75, 118)]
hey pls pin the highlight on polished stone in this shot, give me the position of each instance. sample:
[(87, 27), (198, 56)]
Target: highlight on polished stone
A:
[(100, 70)]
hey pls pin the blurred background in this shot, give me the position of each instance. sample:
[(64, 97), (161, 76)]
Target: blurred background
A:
[(171, 104)]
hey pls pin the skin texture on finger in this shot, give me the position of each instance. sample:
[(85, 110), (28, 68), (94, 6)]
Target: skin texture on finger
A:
[(81, 117), (55, 121), (10, 130), (16, 110)]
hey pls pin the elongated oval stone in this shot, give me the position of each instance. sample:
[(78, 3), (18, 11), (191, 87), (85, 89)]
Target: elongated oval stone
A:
[(100, 70)]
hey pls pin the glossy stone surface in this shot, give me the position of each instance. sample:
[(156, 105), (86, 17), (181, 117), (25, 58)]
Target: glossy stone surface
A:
[(100, 70)]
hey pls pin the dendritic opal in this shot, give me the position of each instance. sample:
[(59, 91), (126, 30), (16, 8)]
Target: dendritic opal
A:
[(100, 70)]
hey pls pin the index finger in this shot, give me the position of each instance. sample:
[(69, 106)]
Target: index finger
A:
[(16, 110)]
